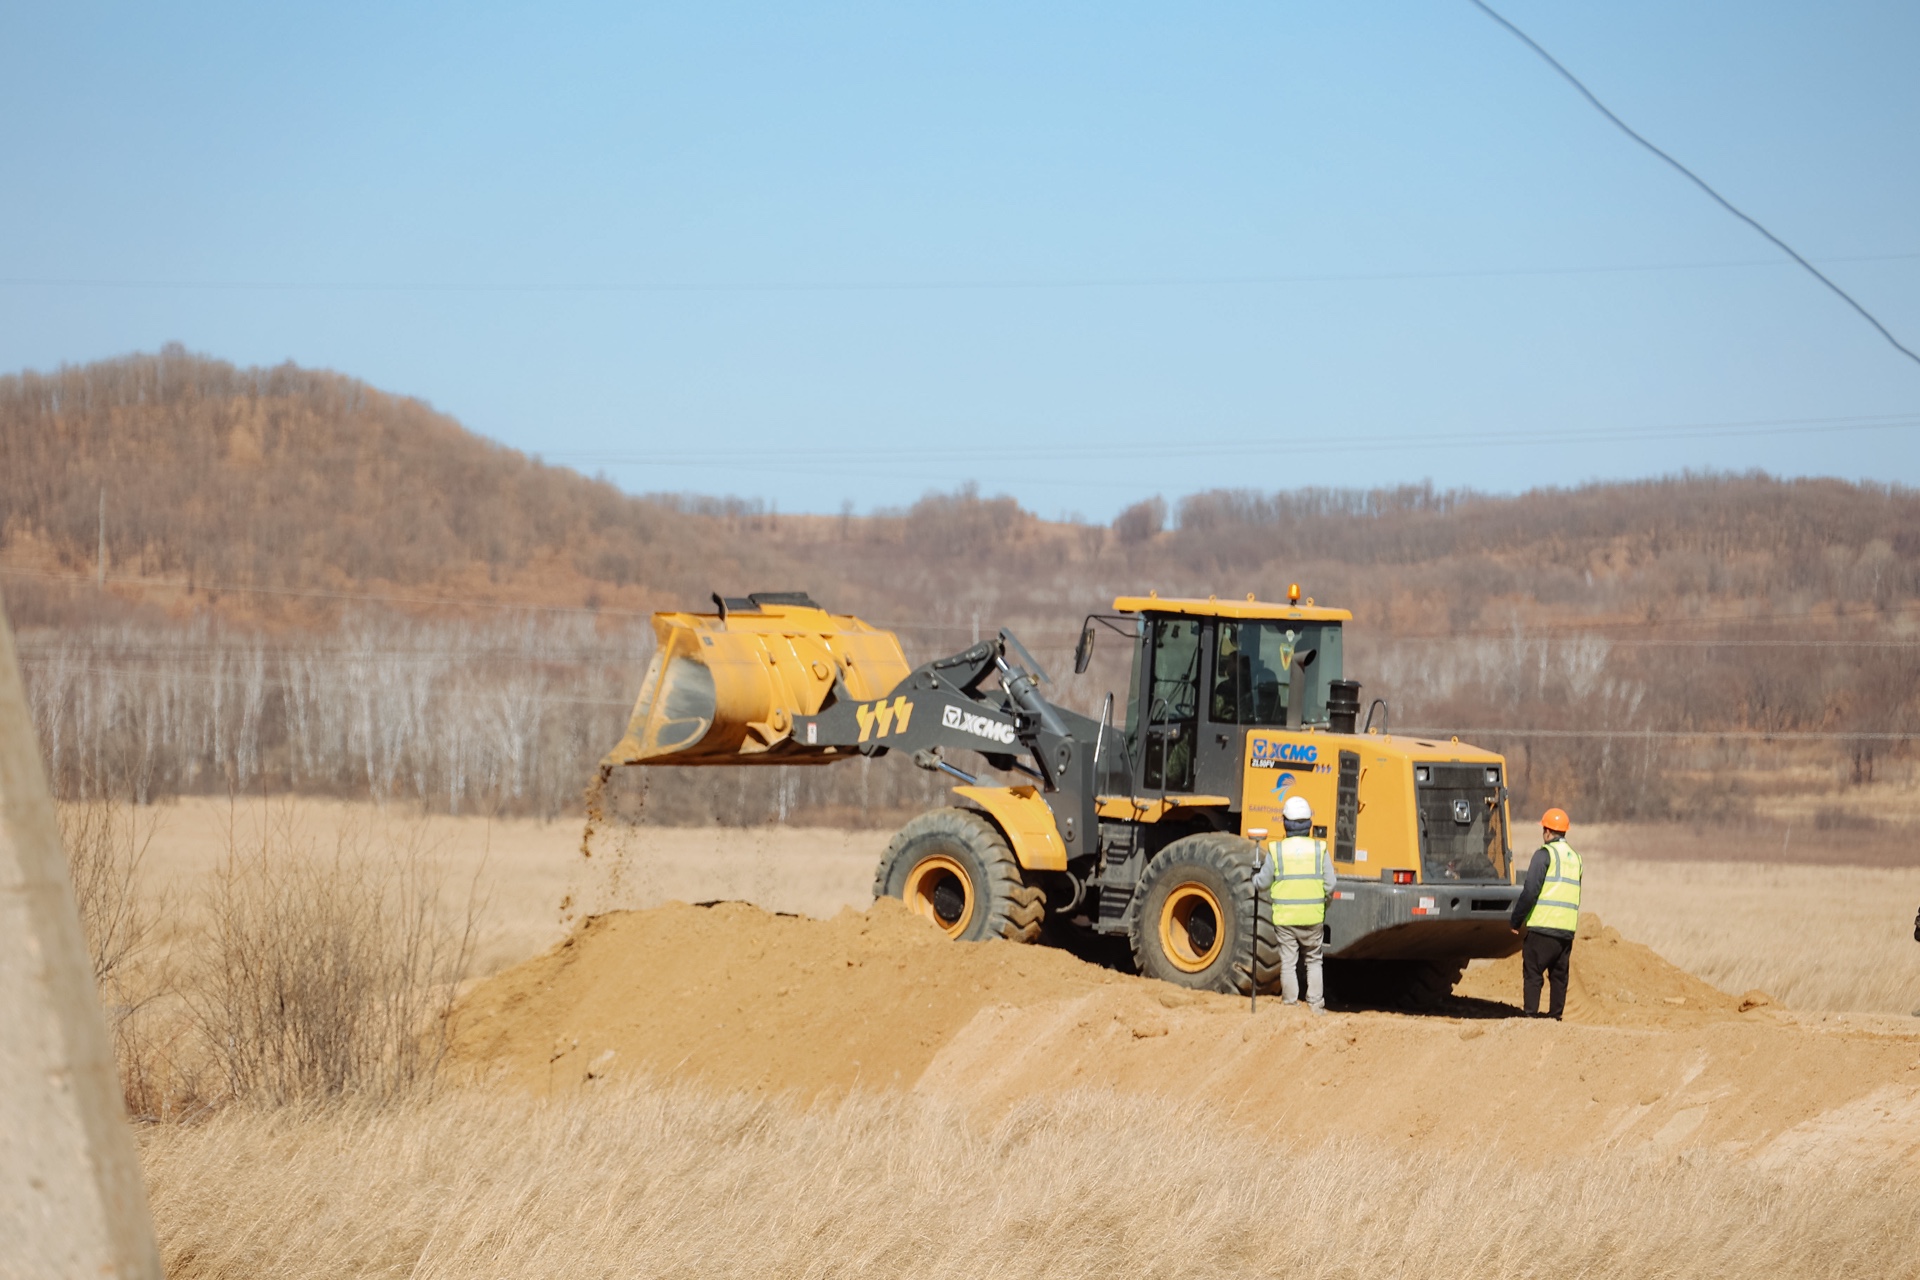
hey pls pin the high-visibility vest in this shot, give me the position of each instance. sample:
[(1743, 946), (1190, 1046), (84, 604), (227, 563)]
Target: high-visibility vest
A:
[(1559, 904), (1299, 888)]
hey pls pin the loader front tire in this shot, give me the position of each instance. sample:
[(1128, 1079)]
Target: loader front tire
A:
[(954, 867), (1197, 924)]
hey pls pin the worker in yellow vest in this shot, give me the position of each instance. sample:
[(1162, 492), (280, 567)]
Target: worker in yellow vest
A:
[(1298, 875), (1549, 910)]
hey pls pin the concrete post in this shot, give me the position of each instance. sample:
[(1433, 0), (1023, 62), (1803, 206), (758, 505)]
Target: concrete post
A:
[(72, 1202)]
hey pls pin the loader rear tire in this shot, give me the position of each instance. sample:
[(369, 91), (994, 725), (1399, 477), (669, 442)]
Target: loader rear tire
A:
[(1197, 924), (954, 867)]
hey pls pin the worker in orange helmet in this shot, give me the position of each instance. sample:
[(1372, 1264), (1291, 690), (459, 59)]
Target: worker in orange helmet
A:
[(1549, 910)]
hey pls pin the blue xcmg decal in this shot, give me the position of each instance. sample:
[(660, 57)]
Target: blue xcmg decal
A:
[(1267, 753)]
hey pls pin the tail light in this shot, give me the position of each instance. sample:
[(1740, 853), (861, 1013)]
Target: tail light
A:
[(1403, 877)]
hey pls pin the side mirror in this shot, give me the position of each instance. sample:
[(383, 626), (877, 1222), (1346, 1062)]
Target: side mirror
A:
[(1083, 651)]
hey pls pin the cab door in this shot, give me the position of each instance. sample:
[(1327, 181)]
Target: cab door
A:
[(1223, 712), (1171, 683)]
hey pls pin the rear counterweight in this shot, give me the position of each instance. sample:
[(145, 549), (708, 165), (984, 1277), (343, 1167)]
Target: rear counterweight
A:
[(1378, 920)]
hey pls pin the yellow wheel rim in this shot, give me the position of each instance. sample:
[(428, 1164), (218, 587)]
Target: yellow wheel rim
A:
[(1190, 917), (940, 889)]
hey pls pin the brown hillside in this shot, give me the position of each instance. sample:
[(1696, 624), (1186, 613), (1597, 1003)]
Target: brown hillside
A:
[(289, 478), (283, 543)]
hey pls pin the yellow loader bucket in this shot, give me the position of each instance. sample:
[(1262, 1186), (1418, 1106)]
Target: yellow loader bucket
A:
[(723, 688)]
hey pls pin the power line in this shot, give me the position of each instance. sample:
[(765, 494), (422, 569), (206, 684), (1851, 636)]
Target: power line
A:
[(1260, 445), (1693, 177), (449, 602), (1547, 631), (1752, 735), (227, 588), (1261, 442), (80, 656), (1631, 642), (1485, 731), (895, 286), (1297, 441), (81, 652), (279, 681)]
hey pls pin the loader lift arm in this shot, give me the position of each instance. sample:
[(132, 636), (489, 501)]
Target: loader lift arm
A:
[(942, 706)]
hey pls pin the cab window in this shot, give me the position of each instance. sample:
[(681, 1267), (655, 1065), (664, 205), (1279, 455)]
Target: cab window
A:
[(1251, 665), (1173, 704)]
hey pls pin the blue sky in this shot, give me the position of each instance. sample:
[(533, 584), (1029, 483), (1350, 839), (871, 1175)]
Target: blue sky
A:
[(1076, 253)]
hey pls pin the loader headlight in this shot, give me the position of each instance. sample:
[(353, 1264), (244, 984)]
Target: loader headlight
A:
[(1493, 777), (1422, 774)]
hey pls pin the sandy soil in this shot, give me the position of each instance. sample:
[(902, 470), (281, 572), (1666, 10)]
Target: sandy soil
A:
[(732, 997)]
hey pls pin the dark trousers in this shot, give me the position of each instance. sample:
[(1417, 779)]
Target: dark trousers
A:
[(1542, 953)]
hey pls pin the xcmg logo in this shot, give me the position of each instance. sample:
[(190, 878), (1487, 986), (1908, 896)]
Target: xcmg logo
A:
[(978, 726), (1268, 754)]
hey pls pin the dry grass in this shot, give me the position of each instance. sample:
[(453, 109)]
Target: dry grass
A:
[(299, 961), (1819, 938), (326, 968), (107, 843), (123, 914), (649, 1182)]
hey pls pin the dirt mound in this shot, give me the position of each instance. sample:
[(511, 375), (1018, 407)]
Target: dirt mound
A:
[(1615, 983), (732, 997), (735, 996)]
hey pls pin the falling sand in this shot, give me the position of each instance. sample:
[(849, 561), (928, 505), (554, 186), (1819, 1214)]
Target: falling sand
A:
[(612, 872), (595, 798)]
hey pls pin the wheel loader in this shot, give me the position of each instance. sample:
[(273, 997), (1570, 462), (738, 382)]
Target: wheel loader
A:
[(1145, 826)]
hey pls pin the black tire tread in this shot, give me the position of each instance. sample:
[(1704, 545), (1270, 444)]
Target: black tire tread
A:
[(1234, 858), (1015, 909)]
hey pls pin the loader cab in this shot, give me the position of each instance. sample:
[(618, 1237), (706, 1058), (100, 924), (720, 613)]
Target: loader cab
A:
[(1204, 673)]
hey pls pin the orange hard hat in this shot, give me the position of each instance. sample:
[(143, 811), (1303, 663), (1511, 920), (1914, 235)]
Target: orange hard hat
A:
[(1555, 820)]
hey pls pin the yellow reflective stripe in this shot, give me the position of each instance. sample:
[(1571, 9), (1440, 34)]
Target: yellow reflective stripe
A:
[(1299, 859), (1289, 865), (1558, 906)]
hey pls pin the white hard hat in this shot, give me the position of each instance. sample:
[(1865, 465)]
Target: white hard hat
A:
[(1296, 809)]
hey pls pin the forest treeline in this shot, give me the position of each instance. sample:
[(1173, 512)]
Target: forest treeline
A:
[(311, 584)]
